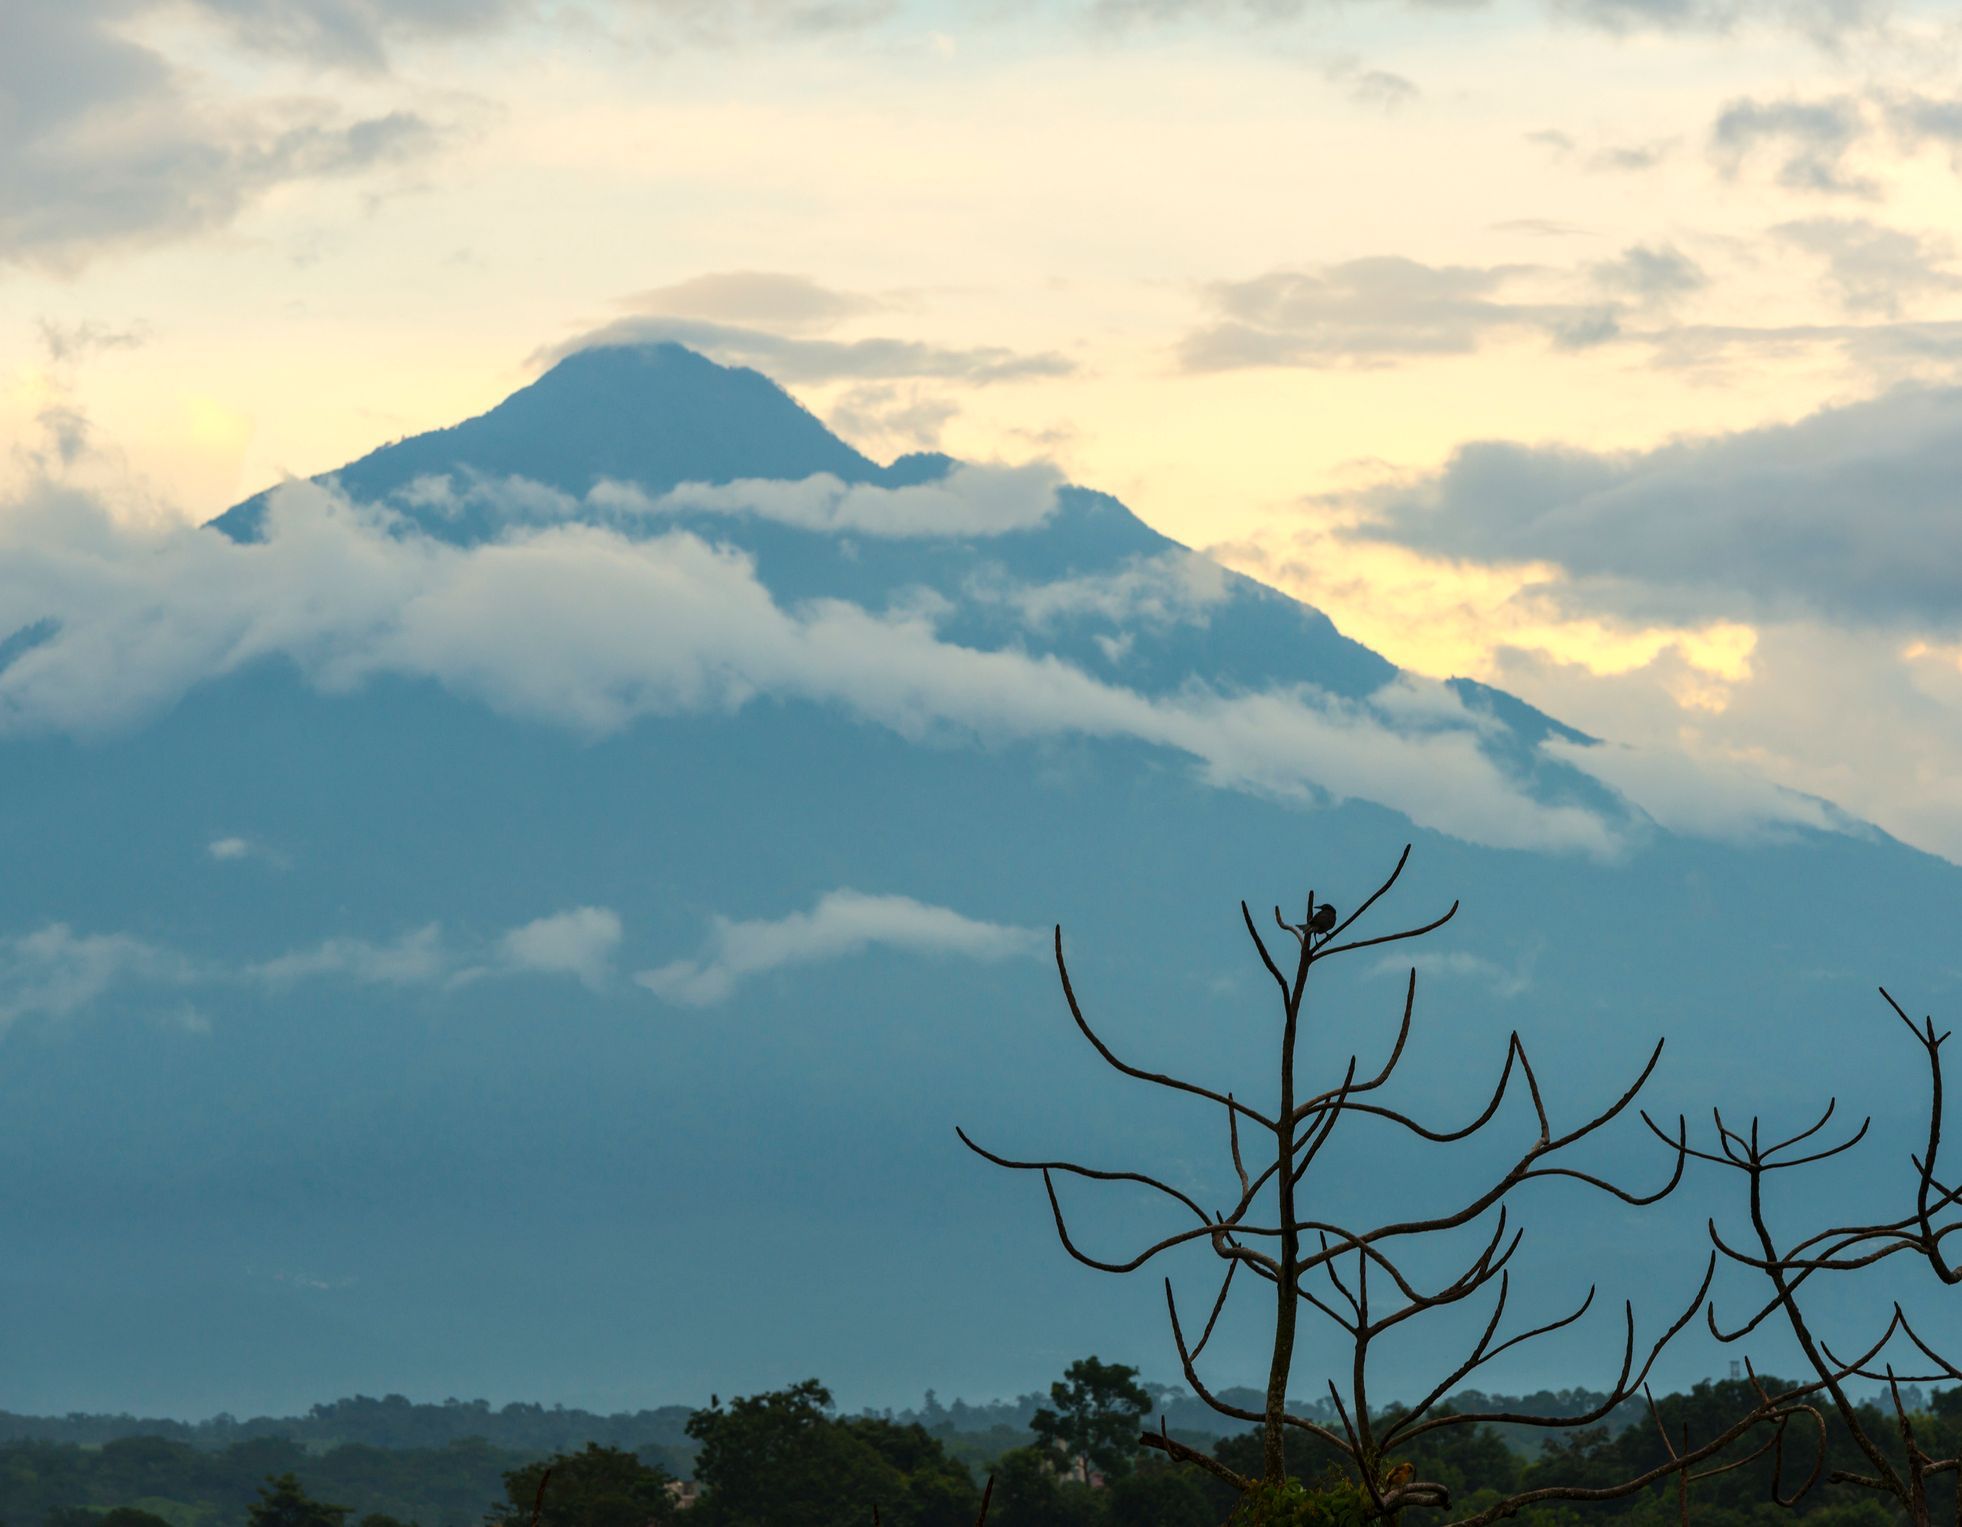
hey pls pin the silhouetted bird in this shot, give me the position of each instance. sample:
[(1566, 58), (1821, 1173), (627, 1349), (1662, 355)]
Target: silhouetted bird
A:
[(1323, 922)]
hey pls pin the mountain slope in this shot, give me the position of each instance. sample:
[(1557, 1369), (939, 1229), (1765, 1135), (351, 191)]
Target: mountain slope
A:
[(549, 955), (657, 415)]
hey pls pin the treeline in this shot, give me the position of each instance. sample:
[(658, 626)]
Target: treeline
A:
[(390, 1422), (395, 1421), (789, 1457)]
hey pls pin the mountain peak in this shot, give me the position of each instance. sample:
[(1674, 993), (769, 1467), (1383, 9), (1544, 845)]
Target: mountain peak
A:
[(656, 415)]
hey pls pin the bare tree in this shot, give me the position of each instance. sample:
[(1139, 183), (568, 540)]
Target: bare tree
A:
[(1355, 1278), (1900, 1468)]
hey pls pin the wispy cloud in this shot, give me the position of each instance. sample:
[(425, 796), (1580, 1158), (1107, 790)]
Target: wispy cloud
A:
[(844, 922), (417, 958), (1377, 310), (1505, 979), (969, 501), (796, 358), (56, 972), (1873, 268), (1175, 587), (774, 300)]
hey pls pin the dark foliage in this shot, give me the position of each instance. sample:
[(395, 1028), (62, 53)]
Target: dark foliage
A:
[(598, 1486)]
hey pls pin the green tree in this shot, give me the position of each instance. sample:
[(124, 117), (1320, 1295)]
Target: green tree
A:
[(282, 1503), (1028, 1494), (781, 1460), (597, 1487), (1099, 1410), (1164, 1496)]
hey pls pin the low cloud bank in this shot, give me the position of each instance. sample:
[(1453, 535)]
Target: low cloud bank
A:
[(582, 627), (844, 922), (971, 500), (55, 971)]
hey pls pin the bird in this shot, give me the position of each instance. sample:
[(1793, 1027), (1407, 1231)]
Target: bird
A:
[(1323, 922)]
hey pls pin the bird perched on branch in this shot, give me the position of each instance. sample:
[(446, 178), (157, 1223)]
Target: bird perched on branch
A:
[(1320, 924)]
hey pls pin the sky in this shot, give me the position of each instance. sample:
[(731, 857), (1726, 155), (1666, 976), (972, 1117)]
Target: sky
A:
[(1602, 350)]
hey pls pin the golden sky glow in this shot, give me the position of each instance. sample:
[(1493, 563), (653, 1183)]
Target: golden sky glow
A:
[(1053, 185)]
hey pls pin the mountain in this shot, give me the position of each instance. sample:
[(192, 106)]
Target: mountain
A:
[(524, 914)]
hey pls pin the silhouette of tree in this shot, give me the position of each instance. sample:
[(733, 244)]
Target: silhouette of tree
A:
[(1897, 1467), (1356, 1277)]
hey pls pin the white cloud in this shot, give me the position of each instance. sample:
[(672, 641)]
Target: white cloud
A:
[(417, 958), (844, 922), (578, 943), (1506, 981), (233, 848), (1176, 587), (969, 501), (582, 627), (56, 971), (1699, 797)]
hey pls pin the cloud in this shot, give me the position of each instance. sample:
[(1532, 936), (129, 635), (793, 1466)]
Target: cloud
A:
[(1654, 275), (1378, 88), (1808, 140), (234, 849), (1630, 158), (1917, 119), (1542, 228), (1874, 268), (67, 342), (1822, 20), (969, 501), (417, 958), (778, 302), (844, 922), (56, 971), (1890, 352), (1374, 310), (104, 147), (1505, 981), (353, 33), (1176, 587), (581, 627), (579, 943), (1702, 798), (789, 358), (1849, 514), (885, 412)]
